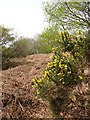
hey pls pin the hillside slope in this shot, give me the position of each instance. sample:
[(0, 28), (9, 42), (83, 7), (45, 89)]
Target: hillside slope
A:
[(17, 92)]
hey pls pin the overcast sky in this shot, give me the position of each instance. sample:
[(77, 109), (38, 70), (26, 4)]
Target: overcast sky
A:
[(25, 16)]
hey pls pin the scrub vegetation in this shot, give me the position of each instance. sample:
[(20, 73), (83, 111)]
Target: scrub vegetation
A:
[(59, 85)]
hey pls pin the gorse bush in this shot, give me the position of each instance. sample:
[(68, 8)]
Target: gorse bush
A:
[(64, 72)]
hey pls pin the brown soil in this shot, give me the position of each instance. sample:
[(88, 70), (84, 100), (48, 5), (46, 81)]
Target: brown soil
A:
[(17, 92)]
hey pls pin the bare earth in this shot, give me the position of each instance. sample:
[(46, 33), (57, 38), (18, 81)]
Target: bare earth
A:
[(17, 92)]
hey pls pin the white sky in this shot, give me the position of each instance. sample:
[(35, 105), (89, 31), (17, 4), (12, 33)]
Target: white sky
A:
[(25, 16)]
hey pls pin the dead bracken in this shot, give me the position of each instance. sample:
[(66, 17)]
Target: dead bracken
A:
[(17, 92)]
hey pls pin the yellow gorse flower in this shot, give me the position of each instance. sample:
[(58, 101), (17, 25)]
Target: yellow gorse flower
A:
[(46, 72), (63, 82), (69, 72), (55, 61), (37, 91), (59, 74), (60, 65), (33, 86), (33, 80), (80, 77), (60, 33), (63, 32), (65, 66), (39, 80), (56, 40), (73, 35), (51, 56), (75, 45), (36, 97)]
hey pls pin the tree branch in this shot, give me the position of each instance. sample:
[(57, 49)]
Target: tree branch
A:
[(76, 15)]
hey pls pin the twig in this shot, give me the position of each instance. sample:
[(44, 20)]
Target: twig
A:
[(21, 106)]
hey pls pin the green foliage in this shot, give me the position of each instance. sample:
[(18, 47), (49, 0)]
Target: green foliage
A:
[(6, 36), (87, 46), (7, 53), (68, 16), (49, 35), (43, 47), (63, 73), (20, 48)]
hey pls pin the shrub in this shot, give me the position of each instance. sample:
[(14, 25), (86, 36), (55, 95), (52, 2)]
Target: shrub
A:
[(63, 73)]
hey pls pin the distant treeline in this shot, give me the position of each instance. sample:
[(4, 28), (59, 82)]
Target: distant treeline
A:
[(14, 47)]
